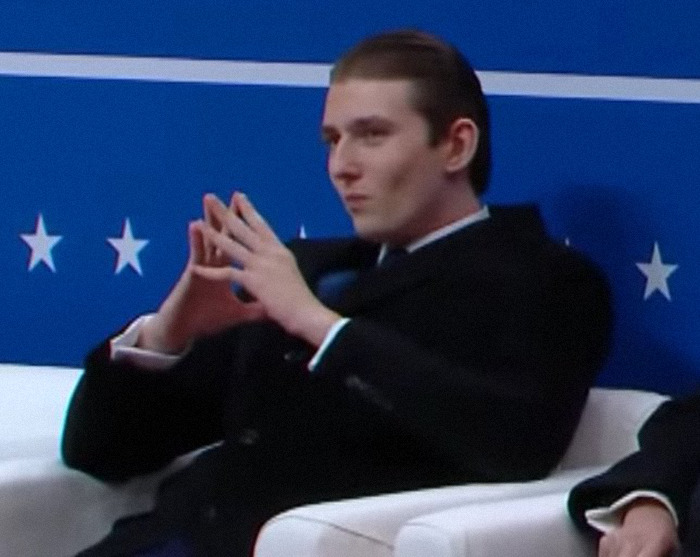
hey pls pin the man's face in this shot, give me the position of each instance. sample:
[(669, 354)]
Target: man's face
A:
[(391, 181)]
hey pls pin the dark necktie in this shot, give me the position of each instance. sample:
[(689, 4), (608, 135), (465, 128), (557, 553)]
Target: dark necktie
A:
[(330, 287)]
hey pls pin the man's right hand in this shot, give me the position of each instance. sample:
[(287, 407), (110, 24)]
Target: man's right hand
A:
[(647, 530), (197, 306)]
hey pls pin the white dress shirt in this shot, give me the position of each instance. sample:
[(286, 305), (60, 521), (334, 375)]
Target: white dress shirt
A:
[(605, 519)]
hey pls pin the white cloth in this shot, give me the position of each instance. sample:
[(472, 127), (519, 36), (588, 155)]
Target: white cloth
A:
[(605, 519), (123, 347)]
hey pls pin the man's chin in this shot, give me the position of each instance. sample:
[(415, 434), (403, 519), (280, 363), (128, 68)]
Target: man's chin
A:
[(370, 233)]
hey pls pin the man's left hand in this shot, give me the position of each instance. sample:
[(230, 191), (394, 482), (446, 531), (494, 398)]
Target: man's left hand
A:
[(265, 268), (647, 530)]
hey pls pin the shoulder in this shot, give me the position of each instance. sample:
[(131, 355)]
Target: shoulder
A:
[(514, 239)]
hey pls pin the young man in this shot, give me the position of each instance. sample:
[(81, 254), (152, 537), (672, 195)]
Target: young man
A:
[(466, 359), (649, 502)]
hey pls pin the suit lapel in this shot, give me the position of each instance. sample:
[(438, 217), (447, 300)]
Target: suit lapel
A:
[(435, 259), (376, 283), (464, 247), (317, 258)]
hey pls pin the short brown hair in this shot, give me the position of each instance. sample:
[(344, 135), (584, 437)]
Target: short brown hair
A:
[(445, 85)]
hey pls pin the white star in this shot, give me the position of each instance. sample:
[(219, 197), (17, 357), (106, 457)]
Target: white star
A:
[(128, 249), (657, 274), (301, 233), (41, 245)]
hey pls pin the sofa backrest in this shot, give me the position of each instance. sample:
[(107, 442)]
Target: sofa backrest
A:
[(609, 425)]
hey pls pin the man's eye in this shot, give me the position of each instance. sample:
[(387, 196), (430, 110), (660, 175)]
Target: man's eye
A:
[(329, 140), (374, 134)]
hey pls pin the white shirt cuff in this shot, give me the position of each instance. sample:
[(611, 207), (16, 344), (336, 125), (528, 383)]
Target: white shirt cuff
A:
[(123, 347), (328, 339), (605, 519)]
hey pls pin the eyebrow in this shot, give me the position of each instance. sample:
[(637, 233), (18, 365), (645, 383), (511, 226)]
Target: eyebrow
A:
[(359, 124)]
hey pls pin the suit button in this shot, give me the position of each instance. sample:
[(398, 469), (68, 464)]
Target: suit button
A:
[(209, 514), (370, 393), (249, 437), (294, 356), (354, 382)]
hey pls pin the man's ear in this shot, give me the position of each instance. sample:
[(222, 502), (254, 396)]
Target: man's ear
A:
[(460, 144)]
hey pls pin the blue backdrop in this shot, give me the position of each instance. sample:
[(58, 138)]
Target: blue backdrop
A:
[(79, 156)]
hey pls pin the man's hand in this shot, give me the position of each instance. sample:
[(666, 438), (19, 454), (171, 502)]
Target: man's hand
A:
[(647, 530), (263, 266), (197, 306)]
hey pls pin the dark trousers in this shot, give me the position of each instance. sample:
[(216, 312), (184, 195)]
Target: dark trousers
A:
[(197, 514), (691, 541), (146, 536), (217, 505)]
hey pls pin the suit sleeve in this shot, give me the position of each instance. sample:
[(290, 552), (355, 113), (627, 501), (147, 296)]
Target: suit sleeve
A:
[(667, 462), (491, 375), (123, 421)]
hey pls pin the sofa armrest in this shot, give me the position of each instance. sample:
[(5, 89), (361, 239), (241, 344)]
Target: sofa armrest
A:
[(49, 509), (526, 527), (33, 402), (367, 526)]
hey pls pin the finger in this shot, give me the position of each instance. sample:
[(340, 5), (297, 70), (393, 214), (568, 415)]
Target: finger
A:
[(212, 218), (197, 243), (659, 549), (606, 546), (232, 223), (231, 250), (229, 275), (251, 216), (213, 221), (249, 310), (217, 274)]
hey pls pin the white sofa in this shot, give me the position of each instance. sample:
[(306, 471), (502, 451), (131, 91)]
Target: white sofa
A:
[(440, 522), (49, 510), (534, 526)]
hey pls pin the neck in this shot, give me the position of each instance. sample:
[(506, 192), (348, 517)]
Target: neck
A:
[(458, 202)]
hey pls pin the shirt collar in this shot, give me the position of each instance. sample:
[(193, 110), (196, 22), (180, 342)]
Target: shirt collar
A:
[(481, 214)]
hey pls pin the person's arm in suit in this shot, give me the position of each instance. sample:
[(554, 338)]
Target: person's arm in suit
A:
[(668, 463), (489, 368), (484, 369), (126, 420)]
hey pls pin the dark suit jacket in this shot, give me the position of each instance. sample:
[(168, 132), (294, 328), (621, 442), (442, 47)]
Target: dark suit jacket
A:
[(468, 360), (668, 462)]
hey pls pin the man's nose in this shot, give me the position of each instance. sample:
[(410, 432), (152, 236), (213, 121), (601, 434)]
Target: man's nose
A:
[(343, 163)]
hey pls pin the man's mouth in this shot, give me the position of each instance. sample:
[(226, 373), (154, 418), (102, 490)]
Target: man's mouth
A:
[(354, 201)]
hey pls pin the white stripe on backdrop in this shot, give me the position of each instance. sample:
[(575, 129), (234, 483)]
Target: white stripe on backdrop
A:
[(283, 74)]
